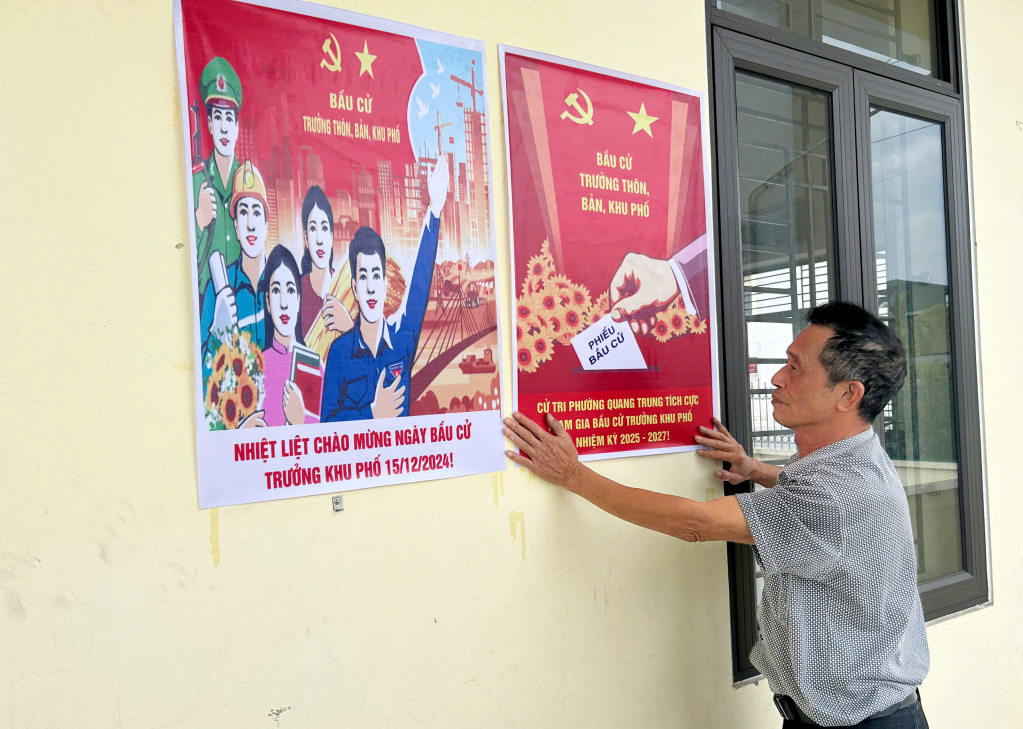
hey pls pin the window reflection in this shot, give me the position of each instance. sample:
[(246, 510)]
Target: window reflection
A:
[(788, 237), (900, 33), (910, 233)]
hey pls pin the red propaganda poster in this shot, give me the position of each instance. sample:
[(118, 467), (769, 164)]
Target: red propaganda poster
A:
[(615, 327), (345, 315)]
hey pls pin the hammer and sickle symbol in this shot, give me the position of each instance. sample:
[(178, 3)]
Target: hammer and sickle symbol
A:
[(585, 117), (334, 53)]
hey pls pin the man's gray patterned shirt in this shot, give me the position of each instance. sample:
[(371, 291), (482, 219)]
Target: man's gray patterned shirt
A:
[(841, 626)]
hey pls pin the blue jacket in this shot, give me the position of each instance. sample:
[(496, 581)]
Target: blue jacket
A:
[(250, 309), (352, 372)]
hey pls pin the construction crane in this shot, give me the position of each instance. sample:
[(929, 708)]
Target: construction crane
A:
[(439, 126), (471, 85)]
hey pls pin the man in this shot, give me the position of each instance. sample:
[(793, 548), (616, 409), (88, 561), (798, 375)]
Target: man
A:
[(369, 369), (222, 96), (841, 627), (237, 302)]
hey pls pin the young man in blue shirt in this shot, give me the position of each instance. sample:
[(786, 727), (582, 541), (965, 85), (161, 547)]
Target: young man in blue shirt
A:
[(369, 368)]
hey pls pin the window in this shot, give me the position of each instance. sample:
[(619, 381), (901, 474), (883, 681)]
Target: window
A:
[(841, 176), (900, 33)]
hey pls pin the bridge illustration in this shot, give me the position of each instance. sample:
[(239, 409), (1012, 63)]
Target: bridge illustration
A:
[(462, 317)]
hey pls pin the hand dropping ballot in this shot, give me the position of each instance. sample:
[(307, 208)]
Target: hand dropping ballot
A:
[(608, 345)]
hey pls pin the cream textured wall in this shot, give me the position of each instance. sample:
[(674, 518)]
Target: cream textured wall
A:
[(493, 601)]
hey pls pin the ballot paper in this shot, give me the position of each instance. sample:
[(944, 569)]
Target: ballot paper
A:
[(608, 345)]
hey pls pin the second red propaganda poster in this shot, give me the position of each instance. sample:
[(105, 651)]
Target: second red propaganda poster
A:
[(614, 307)]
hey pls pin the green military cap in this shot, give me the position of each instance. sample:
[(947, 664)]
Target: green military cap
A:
[(219, 84)]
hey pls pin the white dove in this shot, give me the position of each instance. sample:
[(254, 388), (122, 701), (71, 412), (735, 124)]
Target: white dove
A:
[(435, 89), (424, 109), (440, 66)]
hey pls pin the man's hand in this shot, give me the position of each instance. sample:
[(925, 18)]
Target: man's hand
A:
[(552, 456), (641, 285), (225, 310), (206, 211), (437, 186), (294, 405), (335, 316), (388, 400), (723, 447)]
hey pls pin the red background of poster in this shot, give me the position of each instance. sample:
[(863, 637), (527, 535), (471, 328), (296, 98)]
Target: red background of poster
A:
[(278, 64), (593, 245)]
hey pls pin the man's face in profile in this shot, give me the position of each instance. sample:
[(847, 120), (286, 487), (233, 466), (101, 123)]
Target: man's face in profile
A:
[(803, 396), (369, 284)]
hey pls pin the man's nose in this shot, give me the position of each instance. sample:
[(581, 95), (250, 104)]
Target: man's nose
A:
[(776, 379)]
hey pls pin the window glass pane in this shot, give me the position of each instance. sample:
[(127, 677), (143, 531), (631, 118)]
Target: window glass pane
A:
[(898, 32), (910, 234), (788, 235)]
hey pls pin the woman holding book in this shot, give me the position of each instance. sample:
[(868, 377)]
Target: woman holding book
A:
[(281, 293)]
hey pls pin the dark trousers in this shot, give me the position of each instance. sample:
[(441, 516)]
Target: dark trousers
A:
[(912, 717)]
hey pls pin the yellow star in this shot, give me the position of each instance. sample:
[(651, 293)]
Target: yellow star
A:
[(366, 59), (643, 120)]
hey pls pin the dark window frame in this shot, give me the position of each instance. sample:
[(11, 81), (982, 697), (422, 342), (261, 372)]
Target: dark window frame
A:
[(854, 82), (947, 81), (969, 587)]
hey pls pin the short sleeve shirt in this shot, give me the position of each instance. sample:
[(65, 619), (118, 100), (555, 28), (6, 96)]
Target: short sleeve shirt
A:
[(841, 625)]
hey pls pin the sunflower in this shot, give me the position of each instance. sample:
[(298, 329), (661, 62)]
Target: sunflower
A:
[(213, 393), (525, 359), (548, 303), (236, 362), (545, 252), (677, 323), (601, 306), (248, 396), (220, 358), (541, 349), (573, 320), (559, 282), (696, 326), (540, 266), (580, 296), (661, 330), (230, 413)]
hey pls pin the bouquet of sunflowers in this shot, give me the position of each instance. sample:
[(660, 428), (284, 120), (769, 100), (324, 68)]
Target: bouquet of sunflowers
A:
[(234, 385)]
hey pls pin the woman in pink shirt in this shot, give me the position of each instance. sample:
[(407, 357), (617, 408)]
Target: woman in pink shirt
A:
[(282, 301)]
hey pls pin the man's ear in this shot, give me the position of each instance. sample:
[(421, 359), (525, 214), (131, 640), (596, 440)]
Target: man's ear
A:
[(209, 122), (852, 394), (355, 289)]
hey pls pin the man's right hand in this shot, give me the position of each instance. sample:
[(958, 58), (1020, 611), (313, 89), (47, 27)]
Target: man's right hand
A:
[(641, 285), (723, 447), (206, 211), (225, 310), (389, 400)]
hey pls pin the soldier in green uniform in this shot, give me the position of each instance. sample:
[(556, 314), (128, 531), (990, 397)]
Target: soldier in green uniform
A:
[(211, 181)]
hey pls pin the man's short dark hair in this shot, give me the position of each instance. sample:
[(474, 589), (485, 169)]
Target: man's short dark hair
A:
[(863, 349), (369, 243)]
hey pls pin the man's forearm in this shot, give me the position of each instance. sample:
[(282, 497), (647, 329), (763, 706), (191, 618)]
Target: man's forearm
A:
[(676, 516), (764, 473)]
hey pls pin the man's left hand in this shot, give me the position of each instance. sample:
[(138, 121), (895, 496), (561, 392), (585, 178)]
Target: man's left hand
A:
[(437, 186), (552, 456)]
